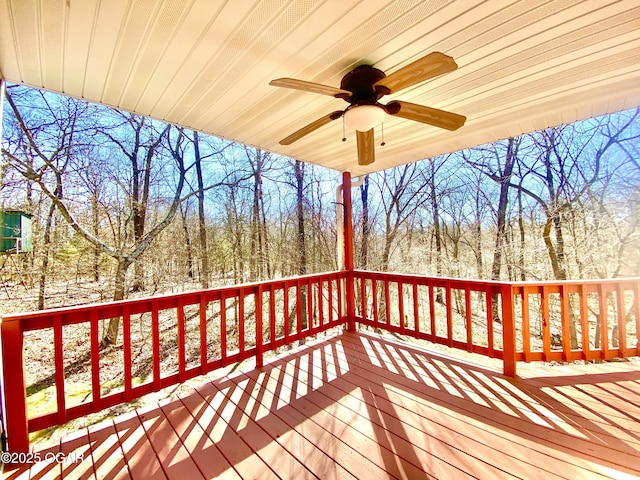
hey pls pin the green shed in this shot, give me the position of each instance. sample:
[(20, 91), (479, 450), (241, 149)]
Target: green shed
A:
[(15, 231)]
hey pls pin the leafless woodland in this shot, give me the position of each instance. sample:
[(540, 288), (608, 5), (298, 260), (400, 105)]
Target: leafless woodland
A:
[(127, 207)]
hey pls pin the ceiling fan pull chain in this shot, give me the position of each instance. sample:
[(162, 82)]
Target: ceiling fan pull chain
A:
[(382, 126), (344, 135)]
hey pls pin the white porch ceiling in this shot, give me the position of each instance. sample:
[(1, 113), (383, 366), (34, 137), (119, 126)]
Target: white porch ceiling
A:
[(206, 64)]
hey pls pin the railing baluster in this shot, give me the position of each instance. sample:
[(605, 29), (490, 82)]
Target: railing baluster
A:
[(374, 301), (387, 307), (259, 339), (285, 303), (490, 319), (432, 311), (223, 329), (363, 297), (546, 332), (59, 368), (320, 303), (603, 321), (449, 306), (299, 302), (565, 319), (126, 337), (584, 323), (155, 335), (330, 297), (340, 283), (182, 361), (401, 304), (95, 361), (622, 324), (467, 312), (309, 305), (202, 303), (241, 325), (416, 313), (526, 325), (272, 316)]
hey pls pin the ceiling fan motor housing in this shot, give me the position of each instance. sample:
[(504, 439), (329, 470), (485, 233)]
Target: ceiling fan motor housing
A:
[(360, 82)]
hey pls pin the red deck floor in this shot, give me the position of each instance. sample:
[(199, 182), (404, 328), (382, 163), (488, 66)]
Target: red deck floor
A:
[(359, 406)]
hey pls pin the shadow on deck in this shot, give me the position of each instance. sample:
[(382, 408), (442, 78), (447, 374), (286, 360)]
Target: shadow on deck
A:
[(363, 406)]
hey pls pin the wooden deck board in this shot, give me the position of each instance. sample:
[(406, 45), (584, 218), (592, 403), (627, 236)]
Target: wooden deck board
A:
[(514, 433), (362, 406), (349, 431), (289, 438), (174, 458), (106, 454), (343, 399), (245, 462), (206, 455), (341, 457)]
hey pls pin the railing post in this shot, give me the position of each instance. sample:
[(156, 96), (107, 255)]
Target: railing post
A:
[(348, 252), (15, 395), (508, 331)]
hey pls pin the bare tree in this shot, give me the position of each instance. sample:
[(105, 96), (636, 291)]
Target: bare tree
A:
[(138, 140), (259, 263), (497, 166), (403, 191), (51, 179), (42, 152)]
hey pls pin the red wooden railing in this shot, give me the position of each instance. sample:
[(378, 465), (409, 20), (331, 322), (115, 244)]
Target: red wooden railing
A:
[(427, 307), (523, 321), (585, 320), (263, 316), (548, 321)]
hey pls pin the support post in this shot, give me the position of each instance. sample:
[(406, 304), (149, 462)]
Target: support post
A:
[(508, 331), (348, 251), (13, 387)]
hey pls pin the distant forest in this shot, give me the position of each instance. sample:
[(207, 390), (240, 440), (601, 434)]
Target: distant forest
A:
[(124, 205)]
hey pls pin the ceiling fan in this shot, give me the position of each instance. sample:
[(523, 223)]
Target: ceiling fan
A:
[(362, 87)]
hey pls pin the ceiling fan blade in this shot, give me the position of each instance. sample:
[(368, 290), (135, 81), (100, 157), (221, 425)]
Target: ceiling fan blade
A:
[(366, 153), (311, 127), (310, 87), (432, 65), (428, 115)]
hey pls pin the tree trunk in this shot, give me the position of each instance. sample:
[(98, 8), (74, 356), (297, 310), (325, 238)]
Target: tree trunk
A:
[(436, 230), (111, 335), (202, 227), (503, 201), (259, 263), (44, 264), (302, 249), (521, 265), (95, 220), (501, 231), (187, 242), (301, 234)]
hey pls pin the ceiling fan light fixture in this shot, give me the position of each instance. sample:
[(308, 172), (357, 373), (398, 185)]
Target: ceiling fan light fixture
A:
[(364, 117)]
